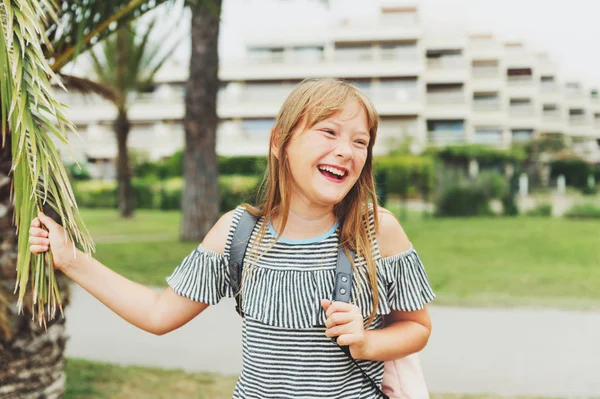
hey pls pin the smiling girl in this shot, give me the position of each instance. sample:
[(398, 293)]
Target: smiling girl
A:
[(319, 194)]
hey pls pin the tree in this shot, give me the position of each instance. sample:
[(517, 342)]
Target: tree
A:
[(31, 358), (127, 64), (200, 200)]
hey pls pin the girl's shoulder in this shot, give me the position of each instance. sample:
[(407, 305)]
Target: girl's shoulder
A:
[(216, 239), (390, 236)]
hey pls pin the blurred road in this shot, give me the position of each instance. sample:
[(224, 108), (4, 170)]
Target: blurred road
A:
[(538, 352)]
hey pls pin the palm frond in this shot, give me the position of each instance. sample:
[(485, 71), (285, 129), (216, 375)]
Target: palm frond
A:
[(32, 116), (82, 24), (87, 86)]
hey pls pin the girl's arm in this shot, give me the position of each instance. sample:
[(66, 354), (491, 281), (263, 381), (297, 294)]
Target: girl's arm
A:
[(152, 311), (405, 332)]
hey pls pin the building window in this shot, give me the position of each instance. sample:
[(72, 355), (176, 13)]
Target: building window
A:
[(519, 76), (398, 89), (265, 55), (445, 93), (486, 101), (488, 135), (257, 127), (485, 68), (306, 54), (399, 51), (522, 135), (354, 52), (445, 59)]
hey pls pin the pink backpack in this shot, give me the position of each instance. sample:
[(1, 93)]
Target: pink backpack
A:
[(403, 379)]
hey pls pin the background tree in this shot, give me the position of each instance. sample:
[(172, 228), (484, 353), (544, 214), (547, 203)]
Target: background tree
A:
[(126, 64), (200, 200)]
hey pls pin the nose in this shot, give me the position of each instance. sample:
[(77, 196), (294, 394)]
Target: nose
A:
[(344, 149)]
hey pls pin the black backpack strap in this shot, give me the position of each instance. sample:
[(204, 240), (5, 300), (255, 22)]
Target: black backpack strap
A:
[(239, 244), (341, 292)]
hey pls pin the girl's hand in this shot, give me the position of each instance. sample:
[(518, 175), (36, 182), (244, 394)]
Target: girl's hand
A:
[(54, 240), (345, 321)]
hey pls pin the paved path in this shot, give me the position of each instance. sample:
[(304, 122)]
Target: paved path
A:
[(506, 352)]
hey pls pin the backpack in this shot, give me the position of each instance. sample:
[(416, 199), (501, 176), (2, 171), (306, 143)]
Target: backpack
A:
[(402, 378)]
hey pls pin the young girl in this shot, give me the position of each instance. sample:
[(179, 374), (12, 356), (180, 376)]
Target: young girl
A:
[(319, 194)]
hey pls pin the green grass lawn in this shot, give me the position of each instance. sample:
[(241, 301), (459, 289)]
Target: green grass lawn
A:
[(475, 261), (90, 380)]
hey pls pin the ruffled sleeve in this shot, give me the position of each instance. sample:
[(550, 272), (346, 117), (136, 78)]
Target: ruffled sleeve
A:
[(202, 276), (408, 287)]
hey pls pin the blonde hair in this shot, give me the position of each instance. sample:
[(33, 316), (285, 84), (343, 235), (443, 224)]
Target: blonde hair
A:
[(311, 102)]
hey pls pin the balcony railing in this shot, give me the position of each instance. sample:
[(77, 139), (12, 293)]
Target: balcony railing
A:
[(520, 137), (522, 111), (526, 80), (487, 137), (444, 137), (265, 58), (485, 72), (548, 87), (387, 54), (578, 120), (551, 116), (397, 94), (446, 63), (487, 106), (448, 98)]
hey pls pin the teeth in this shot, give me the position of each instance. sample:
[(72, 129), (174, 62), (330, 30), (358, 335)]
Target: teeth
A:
[(335, 171)]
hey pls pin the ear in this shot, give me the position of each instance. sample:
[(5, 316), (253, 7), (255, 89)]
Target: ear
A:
[(274, 139)]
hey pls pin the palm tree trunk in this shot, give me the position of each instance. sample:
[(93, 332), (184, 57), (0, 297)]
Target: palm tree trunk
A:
[(121, 128), (31, 359), (200, 200)]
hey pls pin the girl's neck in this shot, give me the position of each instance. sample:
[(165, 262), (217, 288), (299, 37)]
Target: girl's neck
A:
[(304, 221)]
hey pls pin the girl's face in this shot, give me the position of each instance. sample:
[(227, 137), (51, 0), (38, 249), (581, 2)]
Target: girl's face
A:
[(326, 159)]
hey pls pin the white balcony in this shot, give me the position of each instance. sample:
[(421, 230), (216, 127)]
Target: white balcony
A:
[(552, 121), (519, 59), (354, 63), (232, 139), (390, 101), (488, 112), (595, 104), (487, 106), (521, 86), (452, 105), (143, 107), (579, 126), (522, 136), (488, 137), (485, 49), (360, 31), (521, 112), (445, 137), (447, 70)]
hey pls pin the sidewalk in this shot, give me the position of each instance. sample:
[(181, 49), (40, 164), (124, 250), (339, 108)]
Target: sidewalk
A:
[(501, 351)]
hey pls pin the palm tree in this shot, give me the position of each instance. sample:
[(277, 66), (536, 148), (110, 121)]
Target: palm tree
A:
[(32, 177), (200, 202), (126, 64)]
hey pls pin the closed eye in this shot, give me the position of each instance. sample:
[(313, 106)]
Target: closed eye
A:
[(328, 131)]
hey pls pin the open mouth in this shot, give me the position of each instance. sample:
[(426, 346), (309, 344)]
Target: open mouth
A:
[(332, 173)]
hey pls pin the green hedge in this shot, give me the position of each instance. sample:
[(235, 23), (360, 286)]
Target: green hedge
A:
[(576, 171), (405, 175), (543, 209), (584, 211), (164, 195), (242, 165), (486, 156)]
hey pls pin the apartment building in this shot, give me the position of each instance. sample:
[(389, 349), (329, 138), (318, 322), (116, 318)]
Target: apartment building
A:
[(434, 90)]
